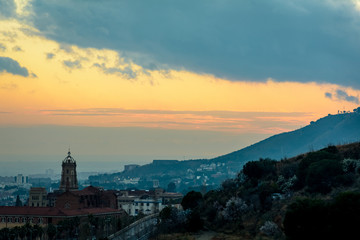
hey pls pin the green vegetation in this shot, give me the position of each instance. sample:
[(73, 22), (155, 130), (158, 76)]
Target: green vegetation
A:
[(318, 219), (312, 196)]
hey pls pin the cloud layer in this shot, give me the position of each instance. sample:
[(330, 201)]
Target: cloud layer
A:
[(12, 66), (288, 40)]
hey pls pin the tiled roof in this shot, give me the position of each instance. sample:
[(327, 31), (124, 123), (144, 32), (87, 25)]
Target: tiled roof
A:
[(87, 191), (52, 211), (43, 211)]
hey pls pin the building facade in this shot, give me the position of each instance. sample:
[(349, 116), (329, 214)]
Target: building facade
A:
[(135, 202), (38, 197), (18, 216)]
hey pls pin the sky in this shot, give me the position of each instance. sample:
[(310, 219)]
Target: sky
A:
[(131, 81)]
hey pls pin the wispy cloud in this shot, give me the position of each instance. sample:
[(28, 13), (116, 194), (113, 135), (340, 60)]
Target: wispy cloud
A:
[(126, 72), (17, 49), (2, 47), (9, 86), (12, 66), (264, 122), (72, 64)]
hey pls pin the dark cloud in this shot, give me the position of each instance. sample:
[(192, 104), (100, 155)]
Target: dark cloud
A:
[(341, 95), (11, 66), (328, 95), (288, 40), (7, 8), (344, 96), (72, 64), (50, 55)]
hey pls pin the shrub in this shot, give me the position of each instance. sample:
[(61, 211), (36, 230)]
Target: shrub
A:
[(234, 209), (270, 228), (260, 169), (192, 200), (321, 175)]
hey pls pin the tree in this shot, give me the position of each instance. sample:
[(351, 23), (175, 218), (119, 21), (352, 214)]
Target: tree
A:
[(51, 231), (38, 231), (191, 200), (18, 202), (171, 187), (321, 175), (306, 219), (260, 169)]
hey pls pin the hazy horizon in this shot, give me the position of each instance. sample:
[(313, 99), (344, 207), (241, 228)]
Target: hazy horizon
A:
[(128, 83)]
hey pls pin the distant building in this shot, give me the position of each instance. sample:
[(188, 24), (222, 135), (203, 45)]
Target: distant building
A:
[(134, 202), (49, 172), (156, 183), (20, 179), (68, 175), (38, 197)]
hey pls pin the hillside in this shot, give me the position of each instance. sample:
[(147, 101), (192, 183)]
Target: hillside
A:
[(314, 195), (332, 129)]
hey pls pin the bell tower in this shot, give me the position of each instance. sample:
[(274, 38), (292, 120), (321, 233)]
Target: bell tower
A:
[(68, 175)]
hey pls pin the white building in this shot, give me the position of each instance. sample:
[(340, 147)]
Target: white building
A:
[(146, 202)]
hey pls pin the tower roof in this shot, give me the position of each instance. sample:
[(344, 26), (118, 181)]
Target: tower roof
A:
[(69, 158)]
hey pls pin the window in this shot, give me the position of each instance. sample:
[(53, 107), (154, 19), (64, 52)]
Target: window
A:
[(35, 197), (40, 220), (147, 204), (16, 219), (3, 219), (23, 219), (9, 219)]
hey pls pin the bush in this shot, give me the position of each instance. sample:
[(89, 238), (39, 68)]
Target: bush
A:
[(270, 228), (321, 175), (306, 219), (234, 209), (316, 219), (191, 200), (260, 169)]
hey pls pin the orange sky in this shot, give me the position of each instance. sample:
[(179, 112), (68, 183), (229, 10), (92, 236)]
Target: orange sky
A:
[(104, 102), (33, 100)]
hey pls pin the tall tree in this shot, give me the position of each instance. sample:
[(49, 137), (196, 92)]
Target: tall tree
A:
[(18, 202)]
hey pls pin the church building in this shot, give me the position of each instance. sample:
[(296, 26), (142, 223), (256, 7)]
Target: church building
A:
[(68, 175)]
